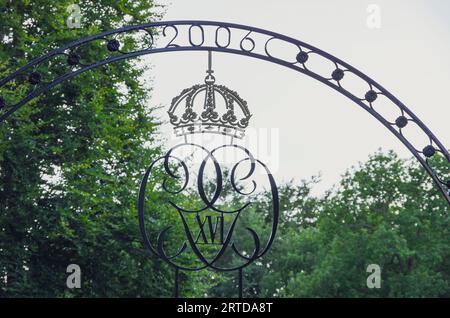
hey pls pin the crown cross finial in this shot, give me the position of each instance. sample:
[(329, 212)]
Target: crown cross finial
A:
[(210, 118)]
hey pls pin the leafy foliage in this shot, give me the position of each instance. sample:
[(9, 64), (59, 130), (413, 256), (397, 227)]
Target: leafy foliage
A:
[(71, 161)]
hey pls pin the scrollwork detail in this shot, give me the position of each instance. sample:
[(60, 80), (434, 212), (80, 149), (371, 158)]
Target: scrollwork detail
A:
[(171, 164)]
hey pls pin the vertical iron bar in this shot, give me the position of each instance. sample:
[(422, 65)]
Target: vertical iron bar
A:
[(176, 291), (240, 282), (221, 228), (209, 62)]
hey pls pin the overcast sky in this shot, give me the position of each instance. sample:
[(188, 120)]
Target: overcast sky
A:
[(320, 131)]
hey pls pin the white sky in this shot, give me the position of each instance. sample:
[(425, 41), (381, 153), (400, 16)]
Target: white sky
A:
[(319, 129)]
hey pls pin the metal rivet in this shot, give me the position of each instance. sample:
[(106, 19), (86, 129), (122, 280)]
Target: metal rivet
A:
[(34, 78), (302, 57), (429, 151), (113, 45), (401, 122), (73, 59), (371, 96), (337, 74)]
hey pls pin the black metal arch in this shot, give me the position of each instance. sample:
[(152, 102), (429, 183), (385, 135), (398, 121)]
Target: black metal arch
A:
[(228, 38)]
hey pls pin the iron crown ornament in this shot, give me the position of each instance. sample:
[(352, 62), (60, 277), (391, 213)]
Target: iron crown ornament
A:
[(205, 228), (209, 119)]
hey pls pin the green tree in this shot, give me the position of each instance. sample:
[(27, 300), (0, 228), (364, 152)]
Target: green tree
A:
[(385, 212), (71, 160)]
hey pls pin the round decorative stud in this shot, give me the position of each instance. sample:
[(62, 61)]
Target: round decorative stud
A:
[(34, 78), (371, 96), (429, 151), (73, 59), (337, 74), (401, 122), (2, 102), (113, 45), (302, 57)]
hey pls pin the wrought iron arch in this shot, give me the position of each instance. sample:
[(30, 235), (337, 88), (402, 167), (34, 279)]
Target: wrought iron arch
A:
[(227, 38)]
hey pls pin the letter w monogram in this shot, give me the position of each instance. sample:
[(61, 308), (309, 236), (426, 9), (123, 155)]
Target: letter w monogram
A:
[(212, 230)]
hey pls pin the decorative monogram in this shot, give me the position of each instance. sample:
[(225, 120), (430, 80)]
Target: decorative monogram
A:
[(208, 224)]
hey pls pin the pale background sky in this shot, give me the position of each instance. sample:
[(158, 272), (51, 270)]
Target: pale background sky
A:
[(319, 129)]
